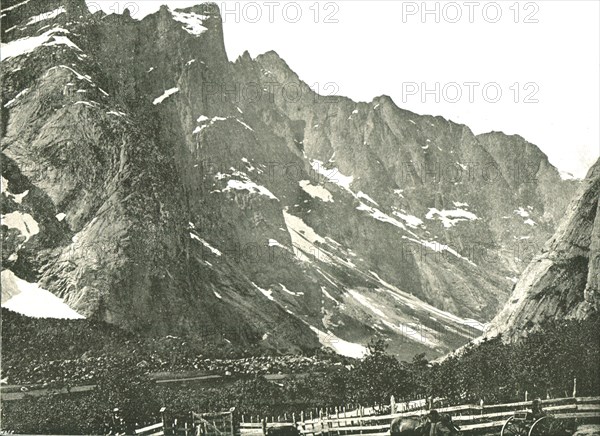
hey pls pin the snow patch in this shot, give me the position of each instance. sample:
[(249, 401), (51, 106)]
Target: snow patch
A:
[(328, 295), (206, 244), (366, 197), (410, 220), (438, 248), (117, 113), (204, 119), (78, 75), (20, 94), (333, 175), (17, 198), (295, 294), (300, 227), (268, 294), (459, 204), (522, 212), (245, 125), (366, 303), (304, 239), (23, 222), (86, 103), (275, 243), (192, 22), (316, 191), (26, 45), (30, 300), (249, 185), (413, 302), (450, 218), (14, 6), (340, 346), (46, 16), (380, 216), (165, 95)]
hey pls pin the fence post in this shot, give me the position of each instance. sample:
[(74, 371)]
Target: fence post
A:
[(264, 426), (361, 411), (163, 419), (525, 395), (574, 387)]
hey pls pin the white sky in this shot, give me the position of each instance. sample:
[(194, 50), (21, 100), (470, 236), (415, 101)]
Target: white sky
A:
[(378, 47)]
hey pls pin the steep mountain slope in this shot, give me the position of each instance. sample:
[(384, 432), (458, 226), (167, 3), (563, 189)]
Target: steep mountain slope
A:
[(153, 184), (562, 282)]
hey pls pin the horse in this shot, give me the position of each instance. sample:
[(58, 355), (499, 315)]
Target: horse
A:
[(283, 430), (413, 426), (407, 426)]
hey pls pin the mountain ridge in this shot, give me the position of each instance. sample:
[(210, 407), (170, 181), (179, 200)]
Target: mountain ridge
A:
[(285, 220)]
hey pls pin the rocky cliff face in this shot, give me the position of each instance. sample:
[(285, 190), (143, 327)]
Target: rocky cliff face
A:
[(151, 183), (562, 281)]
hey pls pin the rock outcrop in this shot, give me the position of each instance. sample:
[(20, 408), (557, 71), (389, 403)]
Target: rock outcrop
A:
[(561, 282)]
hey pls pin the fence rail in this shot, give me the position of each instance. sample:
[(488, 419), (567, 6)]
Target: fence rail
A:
[(470, 418)]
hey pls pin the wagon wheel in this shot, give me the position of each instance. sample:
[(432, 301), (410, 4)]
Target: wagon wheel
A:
[(549, 426), (514, 427)]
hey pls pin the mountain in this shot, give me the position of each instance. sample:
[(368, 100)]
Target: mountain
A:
[(151, 183), (563, 281)]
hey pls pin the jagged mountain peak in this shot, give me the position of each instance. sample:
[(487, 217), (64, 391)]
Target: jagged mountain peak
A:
[(244, 57)]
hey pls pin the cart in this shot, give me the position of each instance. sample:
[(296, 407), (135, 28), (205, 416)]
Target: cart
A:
[(523, 423)]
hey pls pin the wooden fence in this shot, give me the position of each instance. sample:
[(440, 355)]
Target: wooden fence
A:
[(204, 424), (366, 422), (470, 418)]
